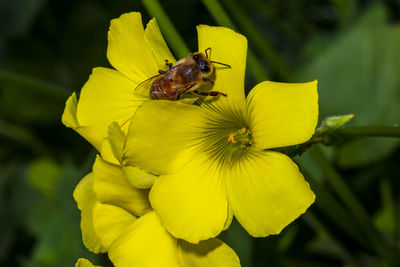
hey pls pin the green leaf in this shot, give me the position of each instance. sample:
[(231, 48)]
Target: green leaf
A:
[(43, 175), (385, 219), (358, 74)]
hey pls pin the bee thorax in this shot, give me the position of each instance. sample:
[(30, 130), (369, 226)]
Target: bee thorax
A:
[(188, 74)]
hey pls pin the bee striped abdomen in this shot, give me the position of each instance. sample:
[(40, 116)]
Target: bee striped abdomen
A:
[(163, 89)]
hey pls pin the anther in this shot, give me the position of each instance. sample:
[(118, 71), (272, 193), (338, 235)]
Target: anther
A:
[(242, 137), (231, 138)]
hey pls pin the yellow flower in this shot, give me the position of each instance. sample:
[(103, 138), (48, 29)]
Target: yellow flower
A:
[(214, 160), (84, 263), (131, 240), (136, 54)]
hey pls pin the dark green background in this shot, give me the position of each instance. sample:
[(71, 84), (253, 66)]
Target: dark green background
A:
[(48, 48)]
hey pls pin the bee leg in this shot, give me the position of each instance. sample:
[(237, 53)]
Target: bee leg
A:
[(208, 80), (169, 64), (210, 93)]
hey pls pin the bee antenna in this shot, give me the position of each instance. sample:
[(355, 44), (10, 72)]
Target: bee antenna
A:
[(208, 49), (223, 64)]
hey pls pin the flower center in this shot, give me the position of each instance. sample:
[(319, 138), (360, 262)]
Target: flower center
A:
[(241, 138), (226, 136)]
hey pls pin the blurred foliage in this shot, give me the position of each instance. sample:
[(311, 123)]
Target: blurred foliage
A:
[(43, 176), (358, 73), (48, 48)]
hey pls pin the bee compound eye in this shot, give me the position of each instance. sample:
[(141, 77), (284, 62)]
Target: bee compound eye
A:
[(205, 68), (196, 57)]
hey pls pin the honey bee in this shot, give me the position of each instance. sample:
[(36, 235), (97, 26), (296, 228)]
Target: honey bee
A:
[(186, 75)]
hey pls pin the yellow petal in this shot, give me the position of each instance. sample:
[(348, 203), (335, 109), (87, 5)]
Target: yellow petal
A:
[(138, 178), (110, 222), (156, 42), (69, 119), (146, 244), (84, 263), (230, 218), (106, 97), (90, 133), (107, 152), (116, 138), (101, 224), (128, 51), (135, 176), (230, 48), (212, 252), (282, 114), (111, 187), (267, 192), (160, 132), (192, 202), (86, 200)]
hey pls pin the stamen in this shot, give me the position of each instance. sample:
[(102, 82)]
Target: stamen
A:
[(242, 137), (231, 138)]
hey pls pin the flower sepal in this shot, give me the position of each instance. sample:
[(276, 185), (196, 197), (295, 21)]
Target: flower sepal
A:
[(333, 123)]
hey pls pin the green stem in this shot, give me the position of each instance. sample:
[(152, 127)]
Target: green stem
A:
[(338, 136), (218, 13), (33, 84), (388, 206), (256, 68), (221, 17), (380, 244), (257, 39), (171, 34), (356, 131)]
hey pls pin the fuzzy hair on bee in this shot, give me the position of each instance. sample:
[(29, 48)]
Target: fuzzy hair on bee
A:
[(186, 75)]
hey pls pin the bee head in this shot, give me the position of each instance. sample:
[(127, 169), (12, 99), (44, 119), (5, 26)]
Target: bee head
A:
[(203, 62)]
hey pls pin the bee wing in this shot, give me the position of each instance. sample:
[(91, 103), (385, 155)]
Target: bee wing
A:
[(143, 88)]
